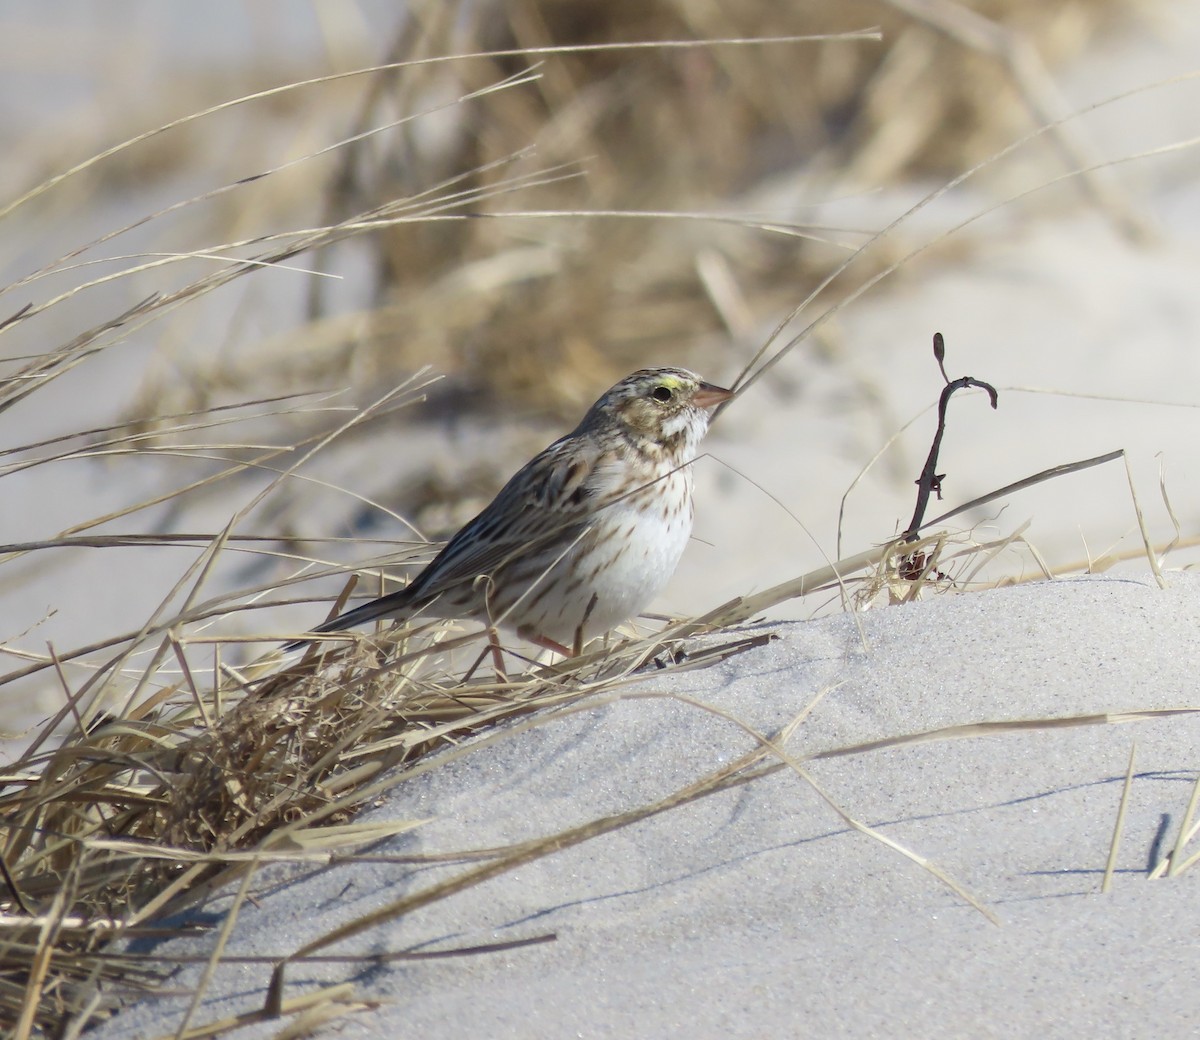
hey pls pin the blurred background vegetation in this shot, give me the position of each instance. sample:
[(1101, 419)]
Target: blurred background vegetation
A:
[(530, 225), (533, 312)]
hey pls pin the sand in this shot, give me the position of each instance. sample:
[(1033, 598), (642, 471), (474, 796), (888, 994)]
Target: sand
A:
[(758, 911)]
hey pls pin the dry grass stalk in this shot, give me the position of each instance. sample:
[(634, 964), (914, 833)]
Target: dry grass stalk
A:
[(133, 817)]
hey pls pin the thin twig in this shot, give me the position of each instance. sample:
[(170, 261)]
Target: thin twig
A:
[(930, 480)]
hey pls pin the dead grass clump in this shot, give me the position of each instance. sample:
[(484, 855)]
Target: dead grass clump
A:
[(135, 817)]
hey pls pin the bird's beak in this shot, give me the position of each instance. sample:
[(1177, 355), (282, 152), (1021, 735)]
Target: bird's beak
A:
[(708, 395)]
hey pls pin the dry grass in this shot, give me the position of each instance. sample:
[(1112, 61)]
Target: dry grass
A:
[(120, 820), (175, 767)]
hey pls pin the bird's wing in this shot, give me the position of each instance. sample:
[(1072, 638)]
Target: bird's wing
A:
[(549, 500)]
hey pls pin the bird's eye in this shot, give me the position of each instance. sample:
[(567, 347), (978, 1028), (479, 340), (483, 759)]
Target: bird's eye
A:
[(662, 393)]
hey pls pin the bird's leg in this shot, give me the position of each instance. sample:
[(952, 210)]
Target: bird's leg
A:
[(545, 642), (578, 646), (550, 644)]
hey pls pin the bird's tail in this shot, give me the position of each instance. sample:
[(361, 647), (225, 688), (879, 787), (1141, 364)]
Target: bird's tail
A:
[(393, 604)]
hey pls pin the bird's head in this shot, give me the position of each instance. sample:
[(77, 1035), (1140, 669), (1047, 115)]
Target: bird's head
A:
[(663, 408)]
